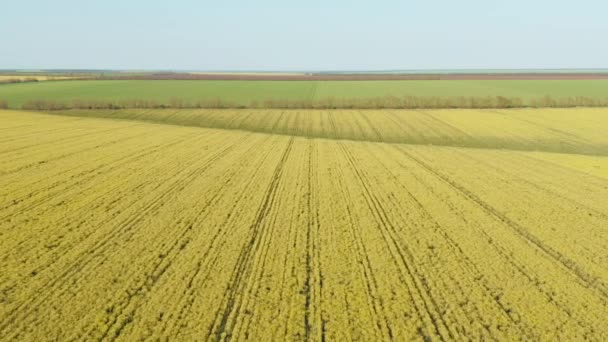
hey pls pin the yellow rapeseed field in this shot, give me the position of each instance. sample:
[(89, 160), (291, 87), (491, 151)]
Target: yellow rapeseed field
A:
[(580, 131), (304, 225)]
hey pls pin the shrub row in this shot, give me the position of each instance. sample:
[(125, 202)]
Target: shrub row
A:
[(388, 102)]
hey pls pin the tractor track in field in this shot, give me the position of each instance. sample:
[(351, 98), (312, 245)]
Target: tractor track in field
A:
[(370, 124), (597, 179), (563, 134), (507, 255), (473, 269), (57, 242), (241, 270), (80, 179), (313, 249), (564, 261), (67, 155), (29, 133), (98, 248), (468, 265), (562, 201), (455, 283), (367, 274), (91, 173), (256, 267), (69, 139), (208, 261), (403, 259), (535, 185), (179, 245)]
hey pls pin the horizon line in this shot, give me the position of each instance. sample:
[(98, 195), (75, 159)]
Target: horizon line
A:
[(432, 70)]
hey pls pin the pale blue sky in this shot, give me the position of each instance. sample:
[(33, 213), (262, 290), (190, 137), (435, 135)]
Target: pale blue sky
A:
[(304, 35)]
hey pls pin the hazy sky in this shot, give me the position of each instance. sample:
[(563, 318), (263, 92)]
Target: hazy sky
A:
[(303, 35)]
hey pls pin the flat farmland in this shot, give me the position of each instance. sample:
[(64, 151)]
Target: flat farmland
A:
[(244, 92), (304, 225)]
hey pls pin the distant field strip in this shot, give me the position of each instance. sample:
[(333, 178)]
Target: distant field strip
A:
[(244, 92), (579, 130), (127, 230)]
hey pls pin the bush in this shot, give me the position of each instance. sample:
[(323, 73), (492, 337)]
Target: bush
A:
[(44, 105)]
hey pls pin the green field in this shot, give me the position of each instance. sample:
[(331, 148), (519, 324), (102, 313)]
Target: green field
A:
[(243, 92)]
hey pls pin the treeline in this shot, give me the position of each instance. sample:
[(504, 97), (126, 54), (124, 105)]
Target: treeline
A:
[(388, 102), (127, 104)]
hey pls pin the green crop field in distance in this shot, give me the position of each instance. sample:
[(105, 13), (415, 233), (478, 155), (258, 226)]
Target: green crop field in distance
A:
[(243, 92), (508, 88)]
